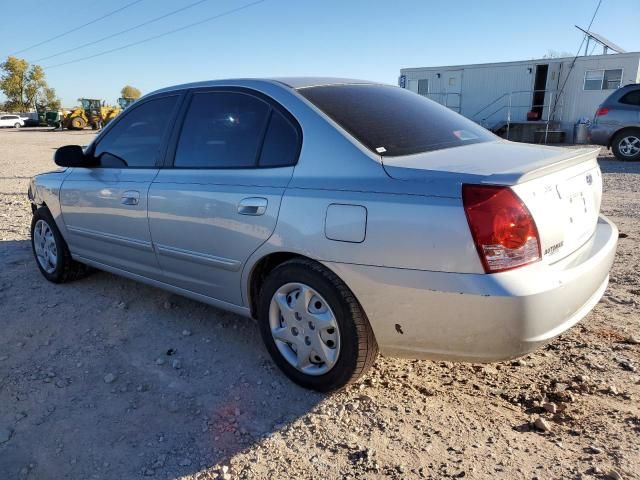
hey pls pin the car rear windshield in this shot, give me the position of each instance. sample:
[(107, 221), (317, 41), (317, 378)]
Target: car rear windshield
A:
[(392, 121)]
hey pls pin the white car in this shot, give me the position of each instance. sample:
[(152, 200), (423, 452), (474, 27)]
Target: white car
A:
[(11, 121)]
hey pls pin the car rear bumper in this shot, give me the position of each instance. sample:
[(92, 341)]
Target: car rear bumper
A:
[(479, 317), (600, 134)]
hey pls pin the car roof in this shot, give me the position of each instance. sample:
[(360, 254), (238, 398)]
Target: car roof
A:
[(291, 82), (306, 82)]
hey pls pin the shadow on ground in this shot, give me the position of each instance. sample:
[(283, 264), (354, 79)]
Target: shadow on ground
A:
[(108, 378)]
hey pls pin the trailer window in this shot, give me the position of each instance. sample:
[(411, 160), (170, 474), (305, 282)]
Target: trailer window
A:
[(392, 121), (602, 79)]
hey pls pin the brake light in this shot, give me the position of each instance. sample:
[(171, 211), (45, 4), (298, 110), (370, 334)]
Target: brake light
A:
[(502, 227), (602, 111)]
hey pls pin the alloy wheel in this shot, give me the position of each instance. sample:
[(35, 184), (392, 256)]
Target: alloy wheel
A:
[(629, 146)]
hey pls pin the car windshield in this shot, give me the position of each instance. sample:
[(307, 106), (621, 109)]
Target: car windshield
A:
[(392, 121)]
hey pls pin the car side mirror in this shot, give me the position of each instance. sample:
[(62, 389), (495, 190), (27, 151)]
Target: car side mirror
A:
[(71, 156)]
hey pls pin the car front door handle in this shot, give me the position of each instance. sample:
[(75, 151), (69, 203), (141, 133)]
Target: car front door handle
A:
[(252, 206), (130, 198)]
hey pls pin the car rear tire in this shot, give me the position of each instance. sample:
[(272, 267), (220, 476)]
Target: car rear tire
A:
[(304, 307), (626, 145), (51, 251)]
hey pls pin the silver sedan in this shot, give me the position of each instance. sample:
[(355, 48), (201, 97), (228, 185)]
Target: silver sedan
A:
[(346, 217)]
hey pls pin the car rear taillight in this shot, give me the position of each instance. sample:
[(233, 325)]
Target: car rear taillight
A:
[(503, 230), (602, 111)]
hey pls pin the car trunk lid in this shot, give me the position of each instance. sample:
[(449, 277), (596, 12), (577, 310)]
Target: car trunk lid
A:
[(562, 188)]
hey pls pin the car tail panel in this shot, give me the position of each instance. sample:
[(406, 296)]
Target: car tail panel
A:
[(565, 205)]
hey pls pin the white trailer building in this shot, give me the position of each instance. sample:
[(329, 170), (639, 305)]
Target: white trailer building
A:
[(521, 98)]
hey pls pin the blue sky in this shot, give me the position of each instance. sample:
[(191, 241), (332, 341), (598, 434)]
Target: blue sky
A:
[(361, 39)]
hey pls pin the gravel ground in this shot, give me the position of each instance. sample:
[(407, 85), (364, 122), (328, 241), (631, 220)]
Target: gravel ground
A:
[(109, 379)]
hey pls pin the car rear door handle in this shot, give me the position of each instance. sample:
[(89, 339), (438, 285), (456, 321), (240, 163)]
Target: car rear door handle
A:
[(252, 206), (130, 197)]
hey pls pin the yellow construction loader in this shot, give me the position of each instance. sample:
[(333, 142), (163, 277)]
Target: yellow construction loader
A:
[(91, 112), (124, 102)]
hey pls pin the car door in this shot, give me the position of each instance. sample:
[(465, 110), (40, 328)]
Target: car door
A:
[(104, 206), (219, 199)]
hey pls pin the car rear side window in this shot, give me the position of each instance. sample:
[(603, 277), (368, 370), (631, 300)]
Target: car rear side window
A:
[(281, 144), (222, 130), (392, 121), (631, 98), (136, 139)]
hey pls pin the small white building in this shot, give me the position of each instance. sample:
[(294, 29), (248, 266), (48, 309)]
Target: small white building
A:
[(548, 91)]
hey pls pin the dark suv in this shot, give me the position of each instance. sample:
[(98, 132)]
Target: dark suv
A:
[(617, 123)]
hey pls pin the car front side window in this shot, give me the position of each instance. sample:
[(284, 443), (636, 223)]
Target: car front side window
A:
[(135, 141)]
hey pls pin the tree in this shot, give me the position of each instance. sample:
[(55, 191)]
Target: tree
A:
[(25, 86), (130, 92), (34, 86), (556, 54), (48, 100), (12, 82)]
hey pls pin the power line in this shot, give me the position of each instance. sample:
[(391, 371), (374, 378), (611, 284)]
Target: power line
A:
[(130, 4), (127, 30), (573, 62), (591, 22), (148, 39)]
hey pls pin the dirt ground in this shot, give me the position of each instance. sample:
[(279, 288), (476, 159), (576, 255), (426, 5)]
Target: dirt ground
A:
[(105, 378)]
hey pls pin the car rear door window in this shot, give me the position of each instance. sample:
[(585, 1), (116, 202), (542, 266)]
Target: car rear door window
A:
[(222, 130), (281, 144), (136, 139), (392, 121)]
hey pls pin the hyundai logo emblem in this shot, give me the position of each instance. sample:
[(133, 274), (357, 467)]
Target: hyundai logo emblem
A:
[(589, 179)]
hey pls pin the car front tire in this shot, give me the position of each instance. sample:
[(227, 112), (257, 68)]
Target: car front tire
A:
[(313, 327), (626, 145), (17, 125), (51, 251)]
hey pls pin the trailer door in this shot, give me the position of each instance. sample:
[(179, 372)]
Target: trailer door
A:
[(452, 85)]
